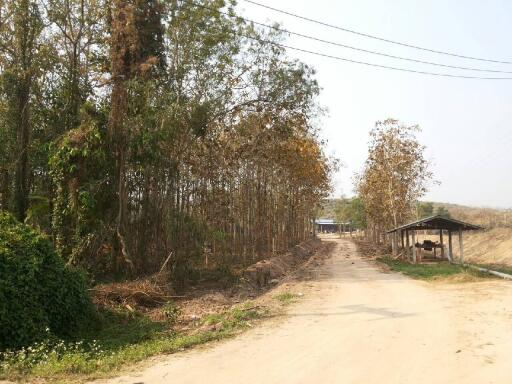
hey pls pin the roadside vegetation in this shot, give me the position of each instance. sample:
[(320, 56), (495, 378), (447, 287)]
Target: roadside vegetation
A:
[(117, 339), (142, 141), (433, 271), (286, 298), (496, 267)]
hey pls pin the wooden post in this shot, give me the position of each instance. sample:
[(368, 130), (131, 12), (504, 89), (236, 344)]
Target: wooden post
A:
[(408, 253), (414, 258), (402, 239), (450, 246), (461, 247), (442, 243)]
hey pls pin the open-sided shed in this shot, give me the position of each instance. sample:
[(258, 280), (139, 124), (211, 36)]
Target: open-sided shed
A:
[(407, 235), (330, 226)]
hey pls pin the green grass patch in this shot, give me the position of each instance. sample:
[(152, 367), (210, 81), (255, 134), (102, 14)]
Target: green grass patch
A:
[(119, 339), (286, 298), (431, 271)]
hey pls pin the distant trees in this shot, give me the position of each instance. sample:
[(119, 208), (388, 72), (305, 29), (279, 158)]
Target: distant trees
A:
[(351, 211), (424, 210), (132, 130), (394, 177), (442, 211)]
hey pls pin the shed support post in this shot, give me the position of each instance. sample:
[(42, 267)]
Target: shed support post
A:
[(408, 253), (450, 246), (461, 247), (402, 239), (414, 252), (394, 243), (442, 243)]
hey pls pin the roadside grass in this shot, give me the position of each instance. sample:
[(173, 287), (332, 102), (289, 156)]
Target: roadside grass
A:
[(434, 271), (496, 267), (121, 338), (286, 298)]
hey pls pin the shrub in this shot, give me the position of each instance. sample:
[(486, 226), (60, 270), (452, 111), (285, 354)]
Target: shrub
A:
[(38, 292), (171, 312)]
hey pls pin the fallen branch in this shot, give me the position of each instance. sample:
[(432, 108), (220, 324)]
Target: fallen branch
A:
[(165, 263)]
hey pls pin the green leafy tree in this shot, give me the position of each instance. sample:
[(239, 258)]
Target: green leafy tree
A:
[(20, 33), (351, 211), (442, 211), (424, 210)]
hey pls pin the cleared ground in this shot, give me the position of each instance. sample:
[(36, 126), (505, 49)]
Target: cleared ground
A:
[(358, 324)]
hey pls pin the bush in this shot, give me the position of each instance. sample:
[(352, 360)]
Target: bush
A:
[(37, 291)]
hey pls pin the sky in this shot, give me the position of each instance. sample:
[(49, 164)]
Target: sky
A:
[(466, 123)]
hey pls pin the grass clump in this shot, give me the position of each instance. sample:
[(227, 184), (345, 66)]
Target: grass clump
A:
[(286, 298), (431, 271), (122, 338), (236, 318)]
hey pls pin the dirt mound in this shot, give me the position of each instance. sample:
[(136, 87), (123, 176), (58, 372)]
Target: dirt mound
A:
[(266, 271), (488, 247)]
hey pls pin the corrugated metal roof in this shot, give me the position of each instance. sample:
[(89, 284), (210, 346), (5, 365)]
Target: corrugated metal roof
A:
[(329, 221), (325, 221), (437, 222)]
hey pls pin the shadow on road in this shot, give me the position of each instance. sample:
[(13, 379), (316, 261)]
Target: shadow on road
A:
[(382, 313)]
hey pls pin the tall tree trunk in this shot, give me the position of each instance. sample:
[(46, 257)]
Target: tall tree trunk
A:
[(21, 189), (124, 46), (4, 188)]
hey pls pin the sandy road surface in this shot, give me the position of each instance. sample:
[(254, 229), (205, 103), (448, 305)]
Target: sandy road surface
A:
[(358, 324)]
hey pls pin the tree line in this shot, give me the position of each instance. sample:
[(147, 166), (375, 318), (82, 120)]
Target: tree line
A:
[(137, 130)]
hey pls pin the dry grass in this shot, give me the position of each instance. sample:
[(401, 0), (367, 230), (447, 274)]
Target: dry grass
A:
[(489, 247), (139, 294)]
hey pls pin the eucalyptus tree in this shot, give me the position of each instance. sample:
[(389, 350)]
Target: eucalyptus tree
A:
[(395, 176), (21, 26), (77, 32)]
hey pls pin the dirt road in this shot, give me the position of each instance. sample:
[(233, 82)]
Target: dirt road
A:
[(360, 325)]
